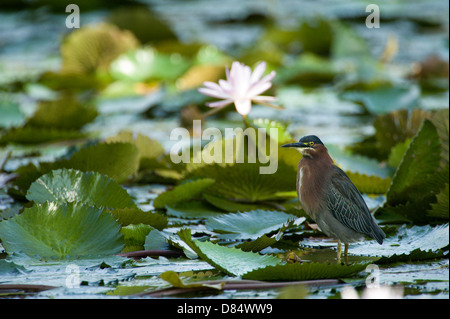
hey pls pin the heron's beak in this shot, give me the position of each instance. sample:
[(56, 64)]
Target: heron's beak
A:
[(298, 145)]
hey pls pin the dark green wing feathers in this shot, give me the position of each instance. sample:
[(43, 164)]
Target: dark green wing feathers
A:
[(347, 205)]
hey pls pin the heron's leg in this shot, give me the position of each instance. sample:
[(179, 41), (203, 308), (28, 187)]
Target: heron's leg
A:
[(339, 250), (346, 253)]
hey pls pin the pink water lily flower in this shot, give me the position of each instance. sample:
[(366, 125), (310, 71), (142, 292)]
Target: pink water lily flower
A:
[(241, 87)]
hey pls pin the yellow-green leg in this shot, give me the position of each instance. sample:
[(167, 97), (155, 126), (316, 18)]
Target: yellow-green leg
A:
[(339, 250), (346, 253)]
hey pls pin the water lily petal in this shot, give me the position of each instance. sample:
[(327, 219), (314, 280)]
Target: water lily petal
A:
[(264, 98), (259, 70), (243, 106), (258, 88), (219, 103), (213, 93)]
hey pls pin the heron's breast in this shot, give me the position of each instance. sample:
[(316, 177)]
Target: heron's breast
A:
[(310, 189)]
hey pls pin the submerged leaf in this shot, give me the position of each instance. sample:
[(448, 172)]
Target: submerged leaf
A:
[(61, 230)]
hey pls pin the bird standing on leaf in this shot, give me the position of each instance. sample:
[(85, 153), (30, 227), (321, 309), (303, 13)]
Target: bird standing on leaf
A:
[(328, 195)]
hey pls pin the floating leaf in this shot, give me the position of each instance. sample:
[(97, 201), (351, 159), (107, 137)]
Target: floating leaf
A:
[(248, 225), (65, 113), (192, 209), (155, 239), (418, 166), (257, 244), (391, 129), (68, 185), (304, 271), (383, 99), (11, 113), (37, 135), (307, 70), (149, 149), (134, 236), (134, 215), (283, 135), (405, 241), (174, 279), (183, 192), (397, 151), (137, 19), (94, 47), (147, 64), (243, 182), (232, 206), (232, 261), (117, 160), (61, 230), (369, 184), (441, 208)]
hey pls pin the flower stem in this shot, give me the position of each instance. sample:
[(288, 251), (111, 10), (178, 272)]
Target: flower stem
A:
[(246, 121)]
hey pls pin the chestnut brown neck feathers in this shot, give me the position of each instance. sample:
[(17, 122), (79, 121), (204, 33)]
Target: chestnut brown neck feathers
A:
[(312, 175)]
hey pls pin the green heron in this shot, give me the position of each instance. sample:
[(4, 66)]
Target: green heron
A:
[(328, 195)]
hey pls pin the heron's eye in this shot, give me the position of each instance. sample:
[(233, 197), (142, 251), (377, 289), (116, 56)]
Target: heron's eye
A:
[(311, 143)]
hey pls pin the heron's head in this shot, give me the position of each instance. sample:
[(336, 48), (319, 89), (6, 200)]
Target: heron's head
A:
[(310, 146)]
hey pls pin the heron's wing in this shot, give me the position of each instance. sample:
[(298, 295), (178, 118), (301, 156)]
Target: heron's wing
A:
[(347, 206)]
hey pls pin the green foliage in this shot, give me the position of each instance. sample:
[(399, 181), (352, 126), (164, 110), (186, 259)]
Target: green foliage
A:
[(93, 48), (369, 184), (192, 209), (147, 64), (36, 135), (134, 236), (133, 215), (68, 185), (248, 225), (182, 193), (117, 160), (54, 230), (418, 178), (304, 271), (65, 113), (232, 261)]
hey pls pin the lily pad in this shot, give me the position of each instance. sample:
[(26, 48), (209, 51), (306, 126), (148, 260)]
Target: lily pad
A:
[(233, 261), (65, 113), (384, 99), (117, 160), (94, 47), (248, 225), (69, 185), (148, 64), (416, 178), (134, 236), (61, 230), (304, 271), (183, 192), (192, 209)]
